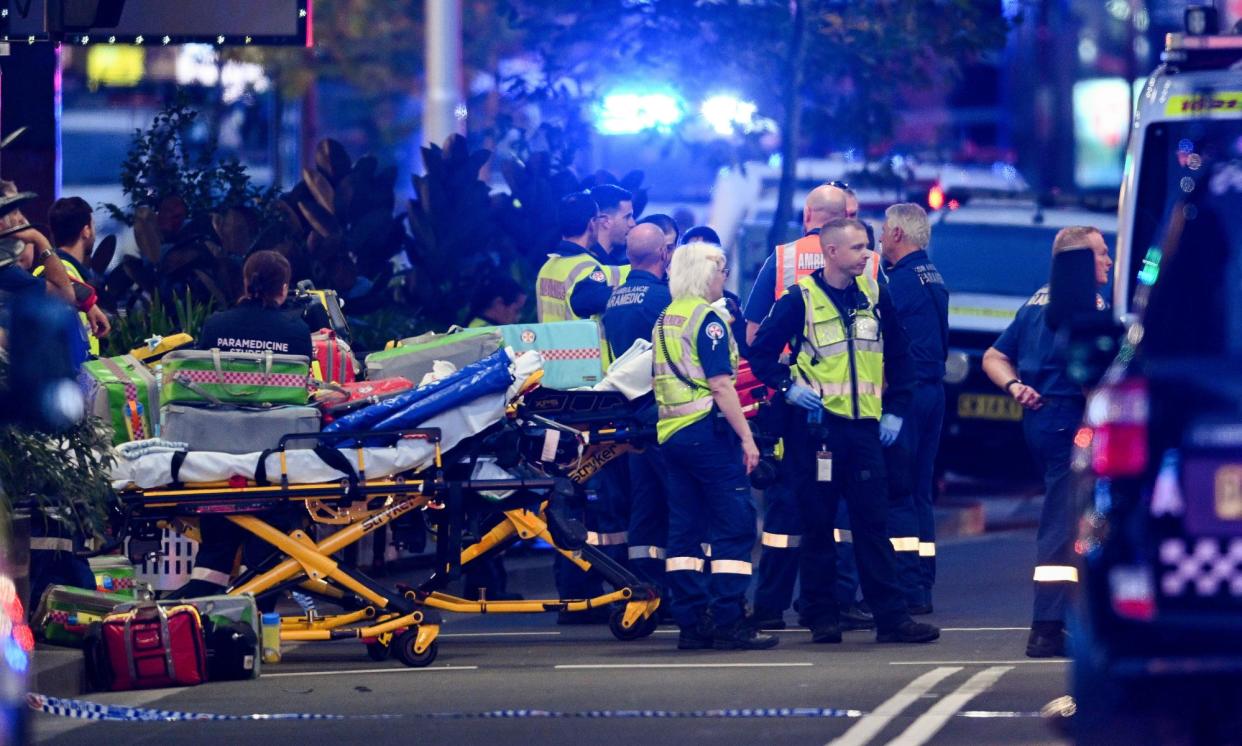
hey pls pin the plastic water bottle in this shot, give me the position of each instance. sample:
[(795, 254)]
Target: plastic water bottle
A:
[(271, 638), (156, 417)]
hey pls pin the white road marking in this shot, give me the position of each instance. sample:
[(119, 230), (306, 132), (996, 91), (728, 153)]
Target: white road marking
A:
[(404, 669), (875, 721), (1029, 661), (497, 634), (930, 723), (595, 666)]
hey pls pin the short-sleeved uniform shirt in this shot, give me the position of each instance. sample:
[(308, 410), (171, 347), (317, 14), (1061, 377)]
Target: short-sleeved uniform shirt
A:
[(1031, 345)]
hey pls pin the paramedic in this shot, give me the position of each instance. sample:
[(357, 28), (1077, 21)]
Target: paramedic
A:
[(256, 324)]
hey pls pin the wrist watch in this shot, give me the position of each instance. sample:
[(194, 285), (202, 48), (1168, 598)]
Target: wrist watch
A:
[(43, 255), (1011, 382)]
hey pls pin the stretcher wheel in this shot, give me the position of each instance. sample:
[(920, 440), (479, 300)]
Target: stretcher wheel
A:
[(378, 651), (403, 648), (644, 627)]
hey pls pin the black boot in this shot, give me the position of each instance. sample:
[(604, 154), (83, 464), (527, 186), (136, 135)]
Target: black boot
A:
[(698, 637), (826, 633), (741, 636), (855, 617), (909, 631), (1047, 640)]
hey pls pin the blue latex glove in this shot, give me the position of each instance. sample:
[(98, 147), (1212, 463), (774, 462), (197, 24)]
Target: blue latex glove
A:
[(890, 428), (802, 396)]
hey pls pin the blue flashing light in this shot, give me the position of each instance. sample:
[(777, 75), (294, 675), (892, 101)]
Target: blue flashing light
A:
[(627, 112)]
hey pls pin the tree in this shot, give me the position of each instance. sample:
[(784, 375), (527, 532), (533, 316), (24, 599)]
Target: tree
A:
[(847, 64)]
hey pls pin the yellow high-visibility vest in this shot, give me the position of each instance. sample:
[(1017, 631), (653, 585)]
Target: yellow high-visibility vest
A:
[(842, 360), (676, 343)]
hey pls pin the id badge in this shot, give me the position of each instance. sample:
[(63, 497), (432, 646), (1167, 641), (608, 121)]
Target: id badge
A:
[(823, 466)]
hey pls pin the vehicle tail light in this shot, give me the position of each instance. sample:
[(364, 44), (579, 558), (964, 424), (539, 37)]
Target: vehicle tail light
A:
[(1117, 415), (1132, 592)]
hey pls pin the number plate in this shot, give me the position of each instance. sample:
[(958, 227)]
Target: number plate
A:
[(1228, 492), (988, 407)]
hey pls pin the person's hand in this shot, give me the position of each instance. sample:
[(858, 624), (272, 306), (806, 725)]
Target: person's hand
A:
[(750, 455), (100, 325), (890, 428), (1026, 396), (802, 396), (31, 235)]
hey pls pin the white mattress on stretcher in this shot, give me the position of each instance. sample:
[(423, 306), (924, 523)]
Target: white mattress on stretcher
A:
[(304, 467)]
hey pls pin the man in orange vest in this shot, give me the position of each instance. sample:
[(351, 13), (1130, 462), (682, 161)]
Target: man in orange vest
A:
[(790, 262)]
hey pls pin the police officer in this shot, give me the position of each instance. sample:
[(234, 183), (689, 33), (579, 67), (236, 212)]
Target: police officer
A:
[(709, 450), (782, 520), (1024, 362), (255, 324), (922, 302), (840, 327), (632, 313)]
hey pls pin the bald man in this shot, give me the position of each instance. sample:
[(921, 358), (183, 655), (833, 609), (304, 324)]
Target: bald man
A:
[(631, 315), (790, 262)]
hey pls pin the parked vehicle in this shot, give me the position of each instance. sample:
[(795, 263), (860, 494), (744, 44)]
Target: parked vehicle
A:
[(1158, 625)]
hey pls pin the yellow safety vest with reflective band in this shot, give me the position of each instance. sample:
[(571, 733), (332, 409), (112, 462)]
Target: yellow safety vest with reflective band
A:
[(73, 273), (681, 405), (556, 282), (616, 276), (844, 364)]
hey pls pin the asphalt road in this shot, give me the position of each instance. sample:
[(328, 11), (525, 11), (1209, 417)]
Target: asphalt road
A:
[(973, 686)]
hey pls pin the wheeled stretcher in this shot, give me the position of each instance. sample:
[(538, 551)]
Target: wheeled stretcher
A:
[(358, 490)]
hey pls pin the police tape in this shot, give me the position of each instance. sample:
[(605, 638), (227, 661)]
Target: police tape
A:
[(85, 710)]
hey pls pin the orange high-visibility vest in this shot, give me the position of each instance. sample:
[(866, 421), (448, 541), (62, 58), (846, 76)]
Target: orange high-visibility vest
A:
[(802, 257)]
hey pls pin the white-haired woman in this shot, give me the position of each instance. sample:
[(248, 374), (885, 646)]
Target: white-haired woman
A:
[(709, 449)]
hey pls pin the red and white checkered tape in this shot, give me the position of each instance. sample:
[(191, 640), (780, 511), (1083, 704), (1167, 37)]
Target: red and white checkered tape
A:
[(580, 353), (239, 378), (1204, 569)]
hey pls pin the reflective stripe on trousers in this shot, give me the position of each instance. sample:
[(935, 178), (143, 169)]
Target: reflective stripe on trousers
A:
[(646, 552), (691, 564), (781, 541), (733, 567), (1056, 574), (905, 543), (50, 544), (613, 539), (843, 536), (927, 549)]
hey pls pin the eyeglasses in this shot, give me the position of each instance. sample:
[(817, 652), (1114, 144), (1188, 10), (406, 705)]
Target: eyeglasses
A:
[(725, 271)]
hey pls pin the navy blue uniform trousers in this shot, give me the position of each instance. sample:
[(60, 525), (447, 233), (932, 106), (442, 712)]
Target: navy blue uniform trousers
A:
[(709, 508), (1049, 433), (858, 478)]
